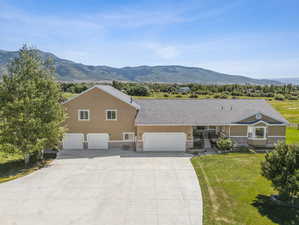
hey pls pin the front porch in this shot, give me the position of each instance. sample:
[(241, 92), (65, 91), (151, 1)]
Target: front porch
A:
[(205, 137)]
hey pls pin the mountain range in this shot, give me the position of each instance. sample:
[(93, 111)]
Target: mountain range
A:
[(67, 70)]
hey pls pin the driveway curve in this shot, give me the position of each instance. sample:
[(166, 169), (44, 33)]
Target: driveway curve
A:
[(105, 188)]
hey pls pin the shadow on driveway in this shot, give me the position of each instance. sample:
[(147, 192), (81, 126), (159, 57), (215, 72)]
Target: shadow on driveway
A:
[(97, 153), (278, 214)]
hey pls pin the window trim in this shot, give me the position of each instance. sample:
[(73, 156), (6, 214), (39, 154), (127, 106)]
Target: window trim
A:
[(79, 114), (109, 110), (124, 133), (253, 128)]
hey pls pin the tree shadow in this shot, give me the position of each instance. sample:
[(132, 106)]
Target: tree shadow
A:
[(278, 214)]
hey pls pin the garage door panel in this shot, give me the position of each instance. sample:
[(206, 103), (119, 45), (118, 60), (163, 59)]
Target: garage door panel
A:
[(98, 141), (164, 142), (73, 141)]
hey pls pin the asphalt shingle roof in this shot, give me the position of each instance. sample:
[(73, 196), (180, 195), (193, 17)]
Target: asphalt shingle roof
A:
[(201, 112)]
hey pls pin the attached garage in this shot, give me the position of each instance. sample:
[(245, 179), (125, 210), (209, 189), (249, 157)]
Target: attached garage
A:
[(98, 141), (73, 141), (164, 141)]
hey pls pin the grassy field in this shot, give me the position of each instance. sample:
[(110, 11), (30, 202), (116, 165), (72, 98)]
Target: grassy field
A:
[(235, 193), (289, 109)]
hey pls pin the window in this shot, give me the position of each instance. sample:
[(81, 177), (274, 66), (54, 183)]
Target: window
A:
[(257, 132), (83, 114), (111, 114), (128, 136)]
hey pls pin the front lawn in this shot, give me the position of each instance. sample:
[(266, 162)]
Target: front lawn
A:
[(234, 192), (292, 135), (12, 166)]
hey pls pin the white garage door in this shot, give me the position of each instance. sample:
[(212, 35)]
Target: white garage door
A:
[(98, 141), (73, 141), (164, 142)]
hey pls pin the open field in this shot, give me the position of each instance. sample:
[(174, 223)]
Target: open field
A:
[(289, 109), (235, 193)]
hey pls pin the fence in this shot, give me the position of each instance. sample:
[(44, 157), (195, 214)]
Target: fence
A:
[(296, 125)]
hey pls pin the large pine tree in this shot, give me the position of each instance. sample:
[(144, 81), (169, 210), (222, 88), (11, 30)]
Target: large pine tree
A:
[(31, 115)]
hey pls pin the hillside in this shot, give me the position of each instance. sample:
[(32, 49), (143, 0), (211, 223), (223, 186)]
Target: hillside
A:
[(68, 70)]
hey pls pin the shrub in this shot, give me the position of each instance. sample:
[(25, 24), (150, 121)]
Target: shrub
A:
[(166, 95), (193, 96), (224, 144), (223, 96), (216, 96), (279, 97), (178, 96), (139, 90), (281, 167), (291, 97)]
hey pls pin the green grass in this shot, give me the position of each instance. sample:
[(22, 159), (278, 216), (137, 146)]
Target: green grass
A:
[(292, 136), (68, 95), (15, 173), (289, 109), (234, 192)]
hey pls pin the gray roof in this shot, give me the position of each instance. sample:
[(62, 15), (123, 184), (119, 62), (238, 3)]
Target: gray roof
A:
[(118, 94), (201, 112)]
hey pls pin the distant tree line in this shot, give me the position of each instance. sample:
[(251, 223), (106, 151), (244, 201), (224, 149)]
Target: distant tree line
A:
[(279, 92)]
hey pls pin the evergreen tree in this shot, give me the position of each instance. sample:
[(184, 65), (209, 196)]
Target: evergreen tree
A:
[(30, 111), (281, 167)]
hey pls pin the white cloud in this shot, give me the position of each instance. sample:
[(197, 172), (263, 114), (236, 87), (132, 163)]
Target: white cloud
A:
[(163, 51)]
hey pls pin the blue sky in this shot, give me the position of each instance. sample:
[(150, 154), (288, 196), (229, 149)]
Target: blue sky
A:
[(257, 38)]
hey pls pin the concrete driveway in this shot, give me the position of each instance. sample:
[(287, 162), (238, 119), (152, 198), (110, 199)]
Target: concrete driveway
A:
[(105, 188)]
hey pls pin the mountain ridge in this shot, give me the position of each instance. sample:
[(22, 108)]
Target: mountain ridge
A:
[(67, 70)]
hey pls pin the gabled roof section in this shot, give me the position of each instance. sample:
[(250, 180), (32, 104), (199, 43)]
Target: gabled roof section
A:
[(112, 91), (201, 112), (259, 118)]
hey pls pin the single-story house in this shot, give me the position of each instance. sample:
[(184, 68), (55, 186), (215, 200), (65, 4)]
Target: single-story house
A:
[(103, 117)]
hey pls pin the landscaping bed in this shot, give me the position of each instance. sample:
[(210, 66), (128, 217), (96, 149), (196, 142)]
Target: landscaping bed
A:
[(234, 192)]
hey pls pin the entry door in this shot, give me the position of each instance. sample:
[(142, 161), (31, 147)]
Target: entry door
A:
[(98, 141), (164, 141)]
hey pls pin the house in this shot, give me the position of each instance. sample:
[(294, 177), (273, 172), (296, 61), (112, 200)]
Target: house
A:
[(103, 117), (184, 90)]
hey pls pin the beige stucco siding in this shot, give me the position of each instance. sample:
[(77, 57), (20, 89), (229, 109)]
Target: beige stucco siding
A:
[(186, 129), (276, 131), (98, 101), (238, 131)]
